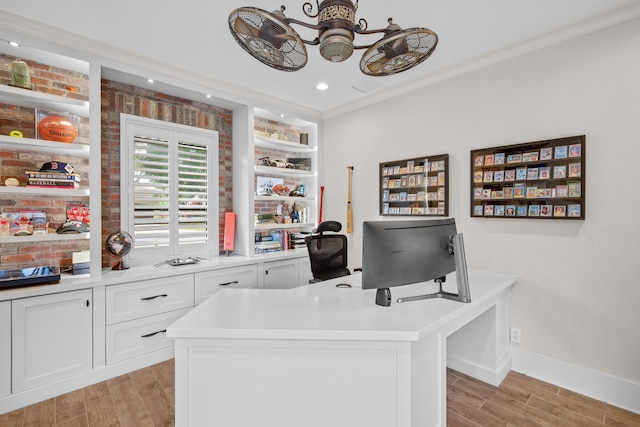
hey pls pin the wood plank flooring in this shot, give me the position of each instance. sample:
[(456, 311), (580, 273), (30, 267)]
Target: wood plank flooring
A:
[(145, 398)]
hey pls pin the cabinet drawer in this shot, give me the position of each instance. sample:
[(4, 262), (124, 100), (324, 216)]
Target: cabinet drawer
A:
[(141, 336), (210, 282), (148, 297)]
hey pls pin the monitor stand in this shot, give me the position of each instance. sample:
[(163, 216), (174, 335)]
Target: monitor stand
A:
[(462, 278), (383, 297)]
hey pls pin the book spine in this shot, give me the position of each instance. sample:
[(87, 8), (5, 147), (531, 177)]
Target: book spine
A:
[(53, 176), (48, 184)]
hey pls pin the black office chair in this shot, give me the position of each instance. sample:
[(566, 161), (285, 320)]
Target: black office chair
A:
[(327, 252)]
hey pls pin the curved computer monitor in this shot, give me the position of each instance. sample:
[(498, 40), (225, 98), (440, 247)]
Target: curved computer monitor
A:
[(397, 253)]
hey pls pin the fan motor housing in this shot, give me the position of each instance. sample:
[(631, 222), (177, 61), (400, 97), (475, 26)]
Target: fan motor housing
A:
[(337, 19)]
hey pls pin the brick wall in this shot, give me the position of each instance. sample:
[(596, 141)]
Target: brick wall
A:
[(116, 98), (122, 98)]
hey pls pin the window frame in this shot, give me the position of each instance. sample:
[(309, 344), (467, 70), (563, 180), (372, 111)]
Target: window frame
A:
[(132, 126)]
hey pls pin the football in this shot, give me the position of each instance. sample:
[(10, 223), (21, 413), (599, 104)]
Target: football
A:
[(57, 128)]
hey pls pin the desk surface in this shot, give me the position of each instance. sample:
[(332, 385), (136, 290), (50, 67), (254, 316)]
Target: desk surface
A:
[(324, 312)]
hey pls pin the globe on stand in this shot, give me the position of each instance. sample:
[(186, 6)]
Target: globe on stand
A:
[(119, 244)]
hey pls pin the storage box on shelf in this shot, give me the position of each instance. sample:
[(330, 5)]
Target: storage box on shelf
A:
[(285, 182)]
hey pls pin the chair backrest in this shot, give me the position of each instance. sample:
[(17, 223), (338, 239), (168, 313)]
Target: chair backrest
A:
[(327, 253)]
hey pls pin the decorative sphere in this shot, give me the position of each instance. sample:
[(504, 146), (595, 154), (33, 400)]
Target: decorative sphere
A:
[(57, 128), (119, 244)]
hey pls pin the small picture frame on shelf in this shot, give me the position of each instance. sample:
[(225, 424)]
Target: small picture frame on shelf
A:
[(546, 153), (573, 210), (575, 170), (514, 158), (559, 211), (530, 157), (575, 150), (561, 152), (559, 172)]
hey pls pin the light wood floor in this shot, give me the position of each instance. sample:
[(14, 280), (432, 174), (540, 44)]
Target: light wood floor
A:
[(145, 398)]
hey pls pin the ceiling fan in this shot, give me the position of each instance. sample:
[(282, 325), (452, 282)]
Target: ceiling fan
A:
[(269, 37)]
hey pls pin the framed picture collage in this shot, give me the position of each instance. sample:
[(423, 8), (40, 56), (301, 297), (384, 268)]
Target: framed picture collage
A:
[(541, 180), (417, 186)]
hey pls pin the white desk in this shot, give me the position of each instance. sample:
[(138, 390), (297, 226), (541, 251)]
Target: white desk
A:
[(325, 356)]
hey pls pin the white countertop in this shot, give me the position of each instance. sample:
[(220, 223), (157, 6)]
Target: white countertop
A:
[(147, 271), (324, 312)]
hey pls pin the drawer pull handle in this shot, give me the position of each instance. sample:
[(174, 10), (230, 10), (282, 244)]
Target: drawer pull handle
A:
[(228, 283), (153, 297), (152, 334)]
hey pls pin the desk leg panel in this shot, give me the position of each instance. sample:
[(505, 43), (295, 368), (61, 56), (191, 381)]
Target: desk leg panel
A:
[(311, 383), (481, 347)]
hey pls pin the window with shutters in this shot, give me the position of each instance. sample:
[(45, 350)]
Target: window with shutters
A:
[(169, 192)]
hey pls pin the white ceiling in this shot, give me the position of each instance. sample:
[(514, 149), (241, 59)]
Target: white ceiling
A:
[(193, 35)]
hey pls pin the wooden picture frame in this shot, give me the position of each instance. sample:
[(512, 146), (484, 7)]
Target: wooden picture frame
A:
[(417, 186), (537, 180)]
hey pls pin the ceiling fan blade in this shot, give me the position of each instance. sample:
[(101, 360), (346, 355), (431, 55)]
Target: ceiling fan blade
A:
[(376, 66), (241, 26)]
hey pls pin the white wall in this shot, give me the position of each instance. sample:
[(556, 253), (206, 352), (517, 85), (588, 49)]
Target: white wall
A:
[(578, 296)]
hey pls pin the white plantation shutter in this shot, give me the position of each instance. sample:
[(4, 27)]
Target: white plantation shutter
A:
[(172, 199), (193, 200)]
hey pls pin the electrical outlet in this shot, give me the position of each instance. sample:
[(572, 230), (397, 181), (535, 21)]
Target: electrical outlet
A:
[(515, 335)]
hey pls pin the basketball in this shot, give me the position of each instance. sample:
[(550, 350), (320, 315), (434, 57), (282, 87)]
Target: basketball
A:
[(57, 128)]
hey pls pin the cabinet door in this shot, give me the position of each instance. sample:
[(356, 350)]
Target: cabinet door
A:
[(280, 274), (209, 282), (5, 348), (52, 338), (304, 271)]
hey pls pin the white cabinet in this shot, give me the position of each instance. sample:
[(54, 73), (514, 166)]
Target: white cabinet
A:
[(209, 282), (5, 348), (138, 314), (304, 271), (52, 338), (280, 274)]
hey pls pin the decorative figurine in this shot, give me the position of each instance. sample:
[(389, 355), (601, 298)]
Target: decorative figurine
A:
[(20, 76)]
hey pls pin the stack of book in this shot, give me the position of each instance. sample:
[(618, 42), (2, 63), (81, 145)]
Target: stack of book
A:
[(297, 240), (53, 180)]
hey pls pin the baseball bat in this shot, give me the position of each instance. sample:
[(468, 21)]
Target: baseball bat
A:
[(321, 199), (349, 207)]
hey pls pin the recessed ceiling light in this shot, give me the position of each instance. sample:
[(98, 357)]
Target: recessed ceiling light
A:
[(150, 80), (208, 96), (14, 44), (281, 115), (322, 86)]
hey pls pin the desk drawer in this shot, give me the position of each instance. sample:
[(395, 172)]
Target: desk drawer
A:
[(147, 298), (210, 282), (137, 337)]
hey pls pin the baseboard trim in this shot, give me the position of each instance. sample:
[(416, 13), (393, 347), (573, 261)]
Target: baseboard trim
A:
[(489, 376), (618, 392)]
